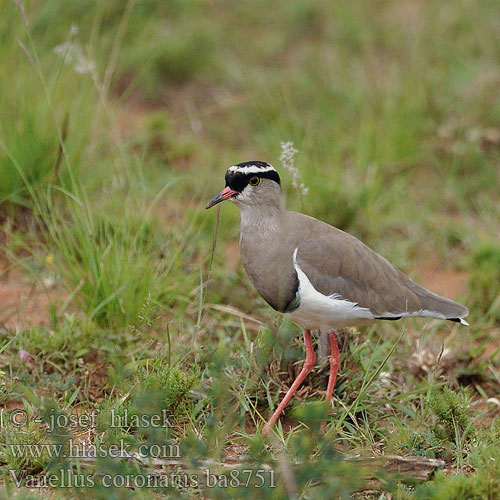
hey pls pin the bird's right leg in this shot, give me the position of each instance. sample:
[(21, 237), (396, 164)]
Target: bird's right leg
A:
[(306, 369), (334, 369)]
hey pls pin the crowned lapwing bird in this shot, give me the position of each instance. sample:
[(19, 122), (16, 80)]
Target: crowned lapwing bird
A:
[(322, 278)]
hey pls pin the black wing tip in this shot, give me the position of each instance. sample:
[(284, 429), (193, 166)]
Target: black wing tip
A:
[(459, 320), (394, 318)]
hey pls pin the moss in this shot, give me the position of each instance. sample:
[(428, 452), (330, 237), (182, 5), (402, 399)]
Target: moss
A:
[(422, 443), (481, 485), (453, 414), (163, 388)]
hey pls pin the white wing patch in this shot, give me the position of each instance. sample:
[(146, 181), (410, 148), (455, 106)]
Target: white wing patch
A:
[(251, 169), (317, 311)]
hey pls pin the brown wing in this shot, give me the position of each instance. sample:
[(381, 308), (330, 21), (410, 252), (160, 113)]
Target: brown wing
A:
[(337, 262)]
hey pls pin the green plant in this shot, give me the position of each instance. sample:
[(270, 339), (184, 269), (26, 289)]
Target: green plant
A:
[(485, 280)]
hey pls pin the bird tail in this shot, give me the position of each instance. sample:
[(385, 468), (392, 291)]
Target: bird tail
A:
[(448, 309)]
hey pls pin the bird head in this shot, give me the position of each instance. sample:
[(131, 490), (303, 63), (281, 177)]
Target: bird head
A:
[(250, 183)]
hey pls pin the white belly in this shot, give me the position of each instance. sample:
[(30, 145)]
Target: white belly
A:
[(324, 312)]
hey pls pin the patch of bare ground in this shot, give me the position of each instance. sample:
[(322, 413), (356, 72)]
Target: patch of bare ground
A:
[(447, 282), (172, 211), (95, 377), (235, 452), (25, 303), (131, 117)]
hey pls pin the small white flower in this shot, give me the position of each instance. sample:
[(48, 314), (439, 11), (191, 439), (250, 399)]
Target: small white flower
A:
[(84, 66), (73, 54), (287, 161)]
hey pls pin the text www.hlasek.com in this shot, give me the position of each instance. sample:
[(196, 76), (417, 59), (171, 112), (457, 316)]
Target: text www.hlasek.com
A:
[(233, 478), (83, 449)]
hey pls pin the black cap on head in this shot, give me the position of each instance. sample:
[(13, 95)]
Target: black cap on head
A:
[(237, 176)]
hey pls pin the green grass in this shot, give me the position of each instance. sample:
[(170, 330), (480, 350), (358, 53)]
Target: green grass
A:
[(106, 163)]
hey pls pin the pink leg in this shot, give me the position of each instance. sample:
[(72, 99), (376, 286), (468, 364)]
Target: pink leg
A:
[(306, 369), (334, 368)]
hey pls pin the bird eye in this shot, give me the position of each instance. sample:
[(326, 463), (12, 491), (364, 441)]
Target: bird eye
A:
[(254, 181)]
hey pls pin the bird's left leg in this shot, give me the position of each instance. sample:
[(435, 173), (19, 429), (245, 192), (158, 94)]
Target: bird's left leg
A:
[(306, 369), (334, 368)]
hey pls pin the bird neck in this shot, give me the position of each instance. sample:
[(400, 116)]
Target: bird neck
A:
[(260, 216)]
